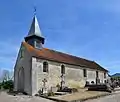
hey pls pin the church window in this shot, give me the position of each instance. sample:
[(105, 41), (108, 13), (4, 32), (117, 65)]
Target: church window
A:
[(45, 66), (96, 74), (84, 72), (104, 75), (21, 53), (62, 69), (92, 82), (37, 44), (105, 81)]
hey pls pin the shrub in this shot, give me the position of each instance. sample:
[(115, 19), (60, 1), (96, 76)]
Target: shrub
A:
[(7, 85), (51, 94)]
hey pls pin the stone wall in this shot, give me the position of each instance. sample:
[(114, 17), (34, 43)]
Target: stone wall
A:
[(91, 75), (101, 77), (25, 63), (73, 75)]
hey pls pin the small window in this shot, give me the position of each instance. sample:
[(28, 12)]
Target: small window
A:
[(105, 81), (38, 44), (62, 69), (21, 53), (96, 74), (45, 67), (87, 83), (84, 72), (97, 81), (92, 82), (104, 75)]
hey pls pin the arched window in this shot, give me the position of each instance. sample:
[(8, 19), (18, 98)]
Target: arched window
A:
[(97, 74), (104, 75), (62, 69), (84, 72), (22, 53), (45, 67)]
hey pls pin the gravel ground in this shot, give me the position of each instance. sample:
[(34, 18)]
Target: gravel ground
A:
[(79, 95), (4, 97), (110, 98)]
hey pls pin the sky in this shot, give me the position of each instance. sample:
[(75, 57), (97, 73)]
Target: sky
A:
[(86, 28)]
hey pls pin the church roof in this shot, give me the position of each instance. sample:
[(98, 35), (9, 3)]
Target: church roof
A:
[(53, 55), (35, 29)]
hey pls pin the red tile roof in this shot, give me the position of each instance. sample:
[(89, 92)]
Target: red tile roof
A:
[(62, 57)]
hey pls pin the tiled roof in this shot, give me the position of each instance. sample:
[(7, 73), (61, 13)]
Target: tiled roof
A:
[(62, 57)]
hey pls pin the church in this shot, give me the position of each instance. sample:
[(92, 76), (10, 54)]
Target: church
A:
[(38, 67)]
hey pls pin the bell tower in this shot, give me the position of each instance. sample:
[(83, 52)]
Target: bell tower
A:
[(34, 36)]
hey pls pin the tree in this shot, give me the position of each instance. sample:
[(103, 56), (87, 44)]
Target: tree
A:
[(6, 75), (7, 84)]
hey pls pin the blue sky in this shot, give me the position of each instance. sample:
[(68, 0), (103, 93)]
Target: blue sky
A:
[(85, 28)]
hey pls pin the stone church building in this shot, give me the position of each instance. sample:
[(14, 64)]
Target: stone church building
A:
[(37, 67)]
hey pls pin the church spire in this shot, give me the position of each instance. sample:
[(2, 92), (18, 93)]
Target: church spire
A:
[(34, 36), (35, 29)]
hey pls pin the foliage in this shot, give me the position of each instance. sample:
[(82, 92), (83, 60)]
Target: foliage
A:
[(51, 93), (116, 78), (7, 85)]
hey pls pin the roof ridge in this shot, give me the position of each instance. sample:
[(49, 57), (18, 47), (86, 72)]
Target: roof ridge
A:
[(68, 54)]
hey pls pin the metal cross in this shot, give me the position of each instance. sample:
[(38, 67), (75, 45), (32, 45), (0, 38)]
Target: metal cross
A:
[(34, 10)]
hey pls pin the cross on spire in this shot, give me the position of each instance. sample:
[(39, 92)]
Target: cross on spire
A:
[(34, 10)]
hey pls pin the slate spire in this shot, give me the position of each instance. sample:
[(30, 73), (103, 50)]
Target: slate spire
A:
[(34, 36), (35, 29)]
